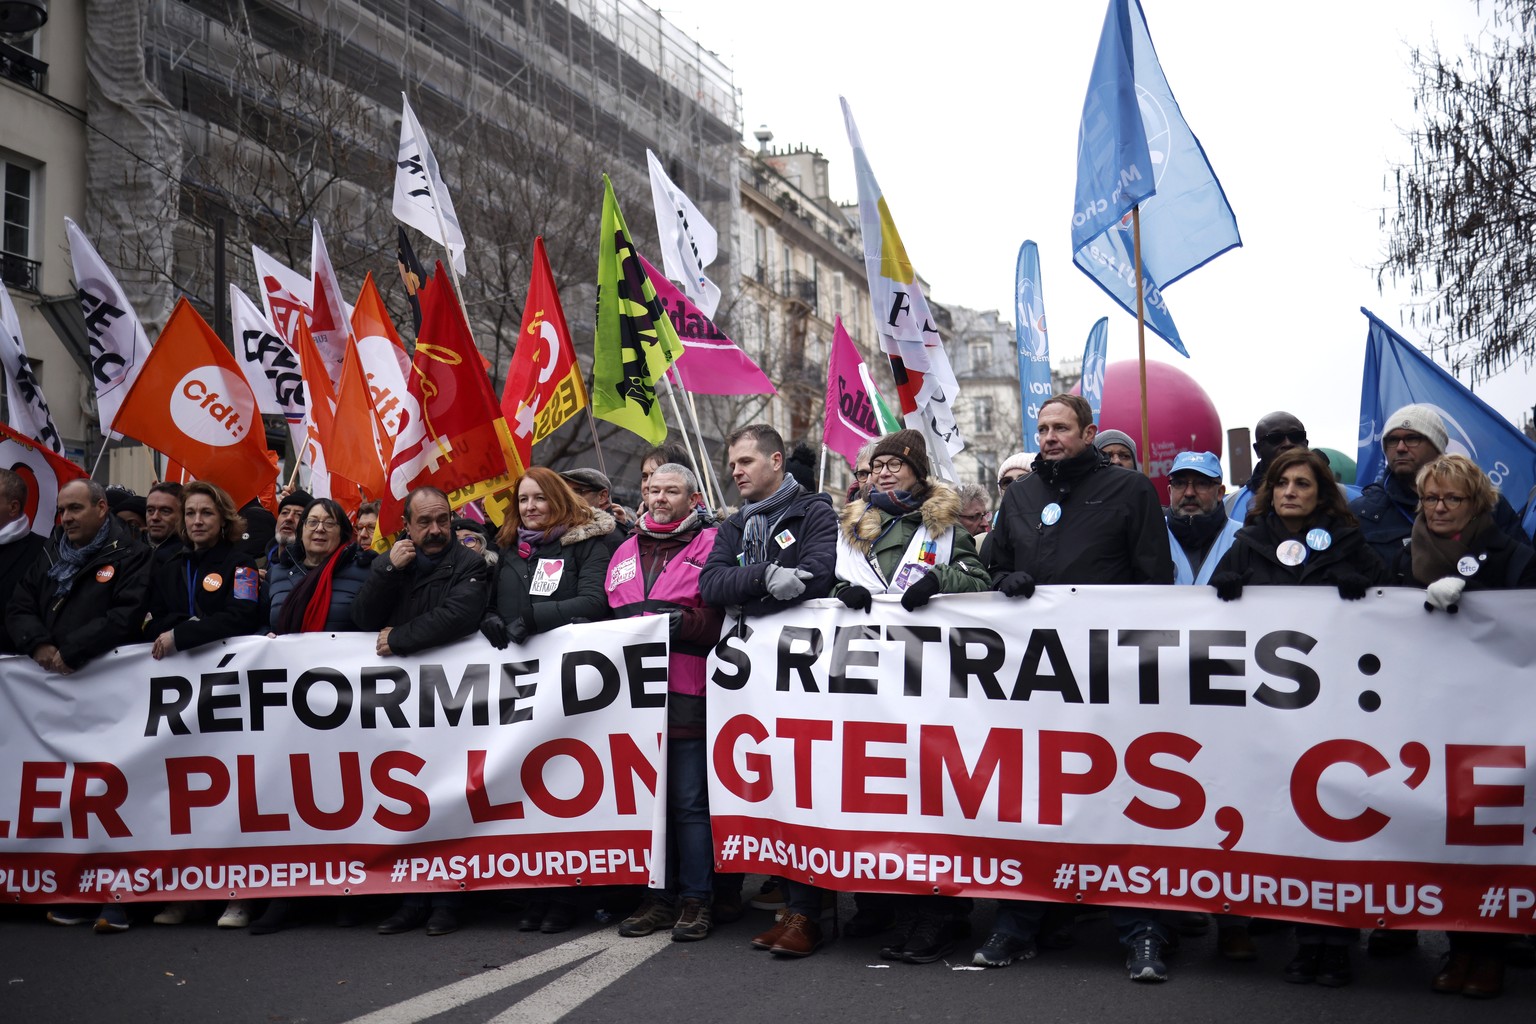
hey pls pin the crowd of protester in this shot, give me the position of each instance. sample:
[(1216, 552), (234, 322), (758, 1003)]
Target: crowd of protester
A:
[(182, 567)]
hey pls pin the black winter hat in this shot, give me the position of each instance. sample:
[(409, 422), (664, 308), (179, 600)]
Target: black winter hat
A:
[(909, 447)]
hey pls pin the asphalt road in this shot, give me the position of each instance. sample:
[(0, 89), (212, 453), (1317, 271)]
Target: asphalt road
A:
[(488, 971)]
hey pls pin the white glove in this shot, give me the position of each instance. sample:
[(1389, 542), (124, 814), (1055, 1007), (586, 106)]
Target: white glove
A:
[(785, 583), (1444, 593)]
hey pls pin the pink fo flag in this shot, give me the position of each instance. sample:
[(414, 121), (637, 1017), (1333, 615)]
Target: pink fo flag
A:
[(855, 412), (711, 363)]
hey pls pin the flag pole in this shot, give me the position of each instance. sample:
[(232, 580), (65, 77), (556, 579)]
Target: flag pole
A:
[(693, 414), (1141, 343), (700, 464), (821, 475), (106, 442), (598, 446)]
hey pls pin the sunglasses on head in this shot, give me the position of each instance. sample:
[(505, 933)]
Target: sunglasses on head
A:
[(1277, 436)]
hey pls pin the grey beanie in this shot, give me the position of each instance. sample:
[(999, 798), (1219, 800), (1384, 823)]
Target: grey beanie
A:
[(1105, 437)]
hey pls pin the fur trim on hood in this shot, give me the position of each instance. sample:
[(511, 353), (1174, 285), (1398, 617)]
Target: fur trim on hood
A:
[(601, 525), (861, 523)]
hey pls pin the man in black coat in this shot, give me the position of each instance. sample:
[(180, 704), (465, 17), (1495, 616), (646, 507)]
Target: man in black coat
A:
[(19, 545), (85, 593), (429, 590), (1077, 520)]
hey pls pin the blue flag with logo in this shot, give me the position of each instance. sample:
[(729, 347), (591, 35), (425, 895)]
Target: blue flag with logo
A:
[(1033, 343), (1398, 374), (1094, 353), (1134, 149)]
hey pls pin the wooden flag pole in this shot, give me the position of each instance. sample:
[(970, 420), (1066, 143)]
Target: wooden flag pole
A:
[(596, 445), (1141, 344), (698, 431)]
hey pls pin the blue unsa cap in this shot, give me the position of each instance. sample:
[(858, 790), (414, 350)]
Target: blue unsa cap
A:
[(1200, 462)]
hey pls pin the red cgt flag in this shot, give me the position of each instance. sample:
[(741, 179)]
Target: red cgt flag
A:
[(191, 403), (544, 386), (44, 473)]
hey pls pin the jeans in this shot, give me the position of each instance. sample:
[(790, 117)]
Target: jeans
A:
[(1020, 919), (690, 848)]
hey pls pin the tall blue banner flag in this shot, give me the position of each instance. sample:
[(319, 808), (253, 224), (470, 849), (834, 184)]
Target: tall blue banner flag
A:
[(1398, 374), (1134, 149), (1092, 384), (1033, 343)]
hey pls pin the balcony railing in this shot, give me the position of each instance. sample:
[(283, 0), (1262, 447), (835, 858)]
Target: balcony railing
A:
[(20, 66), (20, 272)]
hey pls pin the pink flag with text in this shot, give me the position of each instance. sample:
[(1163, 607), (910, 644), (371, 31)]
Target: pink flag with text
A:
[(853, 411), (711, 363)]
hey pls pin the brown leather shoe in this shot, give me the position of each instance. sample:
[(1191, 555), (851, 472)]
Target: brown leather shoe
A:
[(1453, 976), (1485, 978), (769, 938), (800, 937)]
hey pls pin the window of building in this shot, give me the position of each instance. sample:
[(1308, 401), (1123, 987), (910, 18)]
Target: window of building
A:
[(981, 357), (789, 259), (760, 251), (16, 264), (985, 414)]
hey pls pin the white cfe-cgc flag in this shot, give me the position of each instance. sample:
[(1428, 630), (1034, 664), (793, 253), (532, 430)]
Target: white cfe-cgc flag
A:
[(119, 345), (688, 241), (421, 198), (29, 413)]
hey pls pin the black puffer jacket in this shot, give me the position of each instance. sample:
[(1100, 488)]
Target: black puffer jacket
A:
[(1386, 512), (579, 558), (427, 606), (101, 609), (15, 559), (1254, 556), (811, 523), (1110, 530), (205, 596)]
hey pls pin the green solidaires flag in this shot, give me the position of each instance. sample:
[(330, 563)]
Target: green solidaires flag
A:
[(635, 341)]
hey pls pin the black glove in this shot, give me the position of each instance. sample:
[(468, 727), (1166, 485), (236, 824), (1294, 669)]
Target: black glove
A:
[(1352, 585), (517, 631), (857, 598), (495, 630), (919, 593), (1229, 585), (674, 626), (1017, 584)]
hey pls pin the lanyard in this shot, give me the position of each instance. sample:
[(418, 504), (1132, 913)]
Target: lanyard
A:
[(191, 590)]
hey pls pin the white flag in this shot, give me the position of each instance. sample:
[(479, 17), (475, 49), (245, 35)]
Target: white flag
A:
[(421, 198), (119, 345), (328, 321), (688, 241), (286, 294), (925, 381), (29, 409), (270, 366)]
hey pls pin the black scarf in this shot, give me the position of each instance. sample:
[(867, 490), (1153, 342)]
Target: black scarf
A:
[(898, 502), (1068, 471), (1197, 532)]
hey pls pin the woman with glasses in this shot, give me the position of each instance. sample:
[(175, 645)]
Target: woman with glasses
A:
[(1299, 532), (906, 539), (1456, 546), (312, 590), (208, 591)]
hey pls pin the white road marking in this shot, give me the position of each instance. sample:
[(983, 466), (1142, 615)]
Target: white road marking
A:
[(612, 957)]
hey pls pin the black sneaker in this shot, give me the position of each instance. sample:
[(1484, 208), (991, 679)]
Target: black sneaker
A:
[(653, 914), (1145, 959), (406, 919), (728, 907), (933, 937), (1302, 970), (1001, 949), (560, 917), (1333, 968), (443, 921), (866, 922), (693, 923)]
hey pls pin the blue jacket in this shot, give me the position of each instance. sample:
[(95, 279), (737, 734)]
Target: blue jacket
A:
[(350, 575), (1184, 573)]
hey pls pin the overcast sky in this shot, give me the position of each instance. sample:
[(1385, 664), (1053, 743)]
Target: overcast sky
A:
[(970, 118)]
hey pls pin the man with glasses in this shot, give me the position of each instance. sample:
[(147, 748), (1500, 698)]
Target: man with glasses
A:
[(1199, 529), (1273, 434)]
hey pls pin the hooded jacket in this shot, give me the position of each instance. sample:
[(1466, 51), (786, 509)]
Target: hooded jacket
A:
[(578, 559), (877, 537)]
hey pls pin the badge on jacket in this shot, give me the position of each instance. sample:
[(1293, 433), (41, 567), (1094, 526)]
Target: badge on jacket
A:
[(784, 538), (247, 583), (546, 577), (105, 574), (213, 581), (622, 572)]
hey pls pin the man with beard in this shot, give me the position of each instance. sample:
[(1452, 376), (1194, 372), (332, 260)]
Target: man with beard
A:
[(1199, 530), (290, 509), (1273, 434)]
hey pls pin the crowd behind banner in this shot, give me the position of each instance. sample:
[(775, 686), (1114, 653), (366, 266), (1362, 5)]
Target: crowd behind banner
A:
[(185, 571)]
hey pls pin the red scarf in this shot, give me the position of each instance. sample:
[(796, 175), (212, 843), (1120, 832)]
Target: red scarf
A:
[(313, 594)]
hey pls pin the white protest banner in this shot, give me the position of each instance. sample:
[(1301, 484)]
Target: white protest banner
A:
[(308, 765), (1288, 755)]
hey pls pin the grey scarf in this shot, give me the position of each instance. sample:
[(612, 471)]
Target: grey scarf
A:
[(71, 558)]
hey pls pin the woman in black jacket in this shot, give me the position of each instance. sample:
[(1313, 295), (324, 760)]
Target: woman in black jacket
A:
[(1299, 532), (1456, 546), (554, 558)]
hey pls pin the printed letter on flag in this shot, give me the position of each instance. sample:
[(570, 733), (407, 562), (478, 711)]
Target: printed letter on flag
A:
[(119, 345), (192, 403), (1034, 344), (711, 363), (270, 365), (1134, 149), (1094, 354), (925, 381), (421, 198), (328, 323), (635, 341), (44, 473), (544, 387), (688, 242), (285, 293), (855, 413), (29, 413), (1398, 374)]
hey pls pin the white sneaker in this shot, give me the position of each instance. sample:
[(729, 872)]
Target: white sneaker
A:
[(237, 914), (172, 913)]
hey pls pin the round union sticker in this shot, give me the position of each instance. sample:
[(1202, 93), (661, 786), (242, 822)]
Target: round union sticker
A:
[(1466, 565), (1319, 539), (106, 572), (213, 581), (1051, 514), (1291, 552), (213, 406)]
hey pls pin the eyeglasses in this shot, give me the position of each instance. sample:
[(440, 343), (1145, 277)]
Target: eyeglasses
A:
[(1002, 484), (861, 474), (319, 524), (1192, 483), (1450, 501), (890, 465), (472, 541), (1411, 440), (978, 517), (1277, 436)]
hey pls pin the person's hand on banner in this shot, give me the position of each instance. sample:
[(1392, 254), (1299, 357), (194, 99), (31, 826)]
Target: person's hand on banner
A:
[(1229, 585), (165, 644), (1444, 594), (517, 632), (785, 583), (1352, 585), (381, 647), (1017, 584), (674, 626), (921, 592), (495, 630), (857, 598)]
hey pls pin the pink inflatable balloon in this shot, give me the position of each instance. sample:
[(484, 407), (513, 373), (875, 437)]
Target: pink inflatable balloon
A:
[(1181, 416)]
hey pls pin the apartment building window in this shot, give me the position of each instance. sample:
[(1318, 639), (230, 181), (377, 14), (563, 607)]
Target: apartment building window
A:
[(985, 414), (981, 358), (760, 251), (17, 267), (789, 269)]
